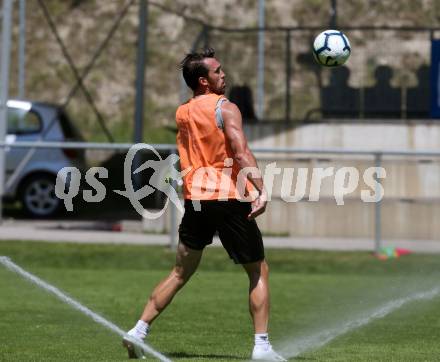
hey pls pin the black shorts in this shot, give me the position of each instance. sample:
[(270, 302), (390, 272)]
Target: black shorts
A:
[(240, 237)]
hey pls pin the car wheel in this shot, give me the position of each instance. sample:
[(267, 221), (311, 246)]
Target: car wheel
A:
[(38, 196)]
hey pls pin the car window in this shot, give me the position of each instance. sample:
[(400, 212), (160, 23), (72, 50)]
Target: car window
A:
[(21, 121)]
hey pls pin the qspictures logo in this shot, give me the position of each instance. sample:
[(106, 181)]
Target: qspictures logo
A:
[(166, 177)]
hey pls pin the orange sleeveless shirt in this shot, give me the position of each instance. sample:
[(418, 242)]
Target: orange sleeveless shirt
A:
[(205, 155)]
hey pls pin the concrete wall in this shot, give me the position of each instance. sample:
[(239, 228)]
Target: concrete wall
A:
[(411, 203), (400, 219), (416, 137)]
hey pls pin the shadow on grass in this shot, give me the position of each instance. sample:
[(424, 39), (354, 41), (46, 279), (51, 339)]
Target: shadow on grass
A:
[(207, 356)]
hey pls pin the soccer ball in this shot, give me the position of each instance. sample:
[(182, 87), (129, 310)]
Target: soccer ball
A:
[(331, 48)]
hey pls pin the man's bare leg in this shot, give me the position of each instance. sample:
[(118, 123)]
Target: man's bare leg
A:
[(187, 261), (259, 305)]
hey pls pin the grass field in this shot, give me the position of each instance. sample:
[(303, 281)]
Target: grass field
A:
[(312, 292)]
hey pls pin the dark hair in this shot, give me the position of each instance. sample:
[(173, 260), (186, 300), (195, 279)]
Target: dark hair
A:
[(193, 67)]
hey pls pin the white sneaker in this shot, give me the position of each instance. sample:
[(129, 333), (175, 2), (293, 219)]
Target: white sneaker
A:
[(266, 353), (133, 345)]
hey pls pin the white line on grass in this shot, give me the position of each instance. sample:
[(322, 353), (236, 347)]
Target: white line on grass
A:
[(73, 303), (303, 344)]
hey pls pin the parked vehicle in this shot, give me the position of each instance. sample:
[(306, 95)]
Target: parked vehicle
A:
[(31, 173)]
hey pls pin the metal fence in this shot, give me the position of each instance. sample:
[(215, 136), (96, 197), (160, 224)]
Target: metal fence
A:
[(388, 64), (93, 76), (289, 157), (386, 77)]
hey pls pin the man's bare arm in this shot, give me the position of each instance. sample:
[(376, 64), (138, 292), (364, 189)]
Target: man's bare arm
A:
[(233, 126)]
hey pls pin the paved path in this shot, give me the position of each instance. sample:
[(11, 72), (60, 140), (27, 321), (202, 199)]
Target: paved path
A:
[(101, 233)]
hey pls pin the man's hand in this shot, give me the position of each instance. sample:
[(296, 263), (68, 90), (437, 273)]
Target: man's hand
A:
[(258, 206)]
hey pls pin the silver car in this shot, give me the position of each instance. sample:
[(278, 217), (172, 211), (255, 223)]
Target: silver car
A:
[(31, 173)]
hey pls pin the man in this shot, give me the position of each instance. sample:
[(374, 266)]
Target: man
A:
[(212, 146)]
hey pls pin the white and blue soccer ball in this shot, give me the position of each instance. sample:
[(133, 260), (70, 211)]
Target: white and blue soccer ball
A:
[(331, 48)]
